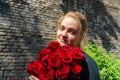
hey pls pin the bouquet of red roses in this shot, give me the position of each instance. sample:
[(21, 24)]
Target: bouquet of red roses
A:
[(57, 62)]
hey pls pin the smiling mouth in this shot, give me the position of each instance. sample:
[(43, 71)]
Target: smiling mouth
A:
[(63, 41)]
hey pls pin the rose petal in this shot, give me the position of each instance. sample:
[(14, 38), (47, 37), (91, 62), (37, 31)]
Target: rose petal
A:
[(63, 72)]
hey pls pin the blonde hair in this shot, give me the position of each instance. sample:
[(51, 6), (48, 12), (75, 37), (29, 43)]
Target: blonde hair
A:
[(82, 22)]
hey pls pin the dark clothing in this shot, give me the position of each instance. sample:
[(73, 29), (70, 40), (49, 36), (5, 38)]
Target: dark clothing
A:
[(90, 69)]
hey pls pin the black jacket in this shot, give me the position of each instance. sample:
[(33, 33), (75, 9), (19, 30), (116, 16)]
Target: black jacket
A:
[(90, 69)]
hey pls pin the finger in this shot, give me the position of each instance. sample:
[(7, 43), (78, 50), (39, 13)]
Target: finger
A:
[(30, 78), (33, 78)]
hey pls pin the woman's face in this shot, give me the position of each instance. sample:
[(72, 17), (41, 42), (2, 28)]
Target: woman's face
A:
[(68, 32)]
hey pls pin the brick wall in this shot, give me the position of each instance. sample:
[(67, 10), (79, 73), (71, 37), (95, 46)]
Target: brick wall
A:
[(26, 26)]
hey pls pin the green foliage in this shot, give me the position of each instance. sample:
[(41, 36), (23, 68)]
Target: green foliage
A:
[(108, 65)]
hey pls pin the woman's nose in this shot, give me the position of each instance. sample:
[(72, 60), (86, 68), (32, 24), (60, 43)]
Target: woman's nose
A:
[(64, 34)]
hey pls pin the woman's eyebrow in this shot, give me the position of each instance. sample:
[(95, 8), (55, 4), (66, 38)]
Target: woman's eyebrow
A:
[(61, 25)]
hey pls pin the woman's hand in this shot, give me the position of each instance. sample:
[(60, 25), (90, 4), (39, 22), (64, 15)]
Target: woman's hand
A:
[(33, 78)]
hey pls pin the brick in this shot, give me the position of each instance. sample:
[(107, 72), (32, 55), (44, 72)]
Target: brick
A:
[(1, 74)]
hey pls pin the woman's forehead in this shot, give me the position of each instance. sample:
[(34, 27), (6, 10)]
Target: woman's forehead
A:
[(69, 21)]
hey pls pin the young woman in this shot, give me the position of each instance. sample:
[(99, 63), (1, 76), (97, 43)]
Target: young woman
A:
[(72, 29)]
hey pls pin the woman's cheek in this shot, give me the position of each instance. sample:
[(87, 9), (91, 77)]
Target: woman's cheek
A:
[(71, 40), (58, 34), (74, 40)]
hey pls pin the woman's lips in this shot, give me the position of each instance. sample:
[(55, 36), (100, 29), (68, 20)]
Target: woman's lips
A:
[(63, 41)]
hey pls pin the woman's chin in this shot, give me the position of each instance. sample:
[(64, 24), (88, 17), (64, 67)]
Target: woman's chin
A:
[(63, 44)]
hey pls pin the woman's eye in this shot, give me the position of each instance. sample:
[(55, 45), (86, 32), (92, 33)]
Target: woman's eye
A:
[(61, 28), (72, 32)]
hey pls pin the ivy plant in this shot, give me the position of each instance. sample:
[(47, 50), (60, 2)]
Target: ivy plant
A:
[(108, 64)]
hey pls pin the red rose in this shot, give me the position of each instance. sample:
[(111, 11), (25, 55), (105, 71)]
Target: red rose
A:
[(66, 54), (78, 53), (76, 69), (43, 53), (34, 67), (62, 72), (46, 74), (45, 59), (54, 60), (57, 62), (53, 45)]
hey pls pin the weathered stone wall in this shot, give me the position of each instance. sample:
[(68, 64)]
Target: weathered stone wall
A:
[(26, 26)]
